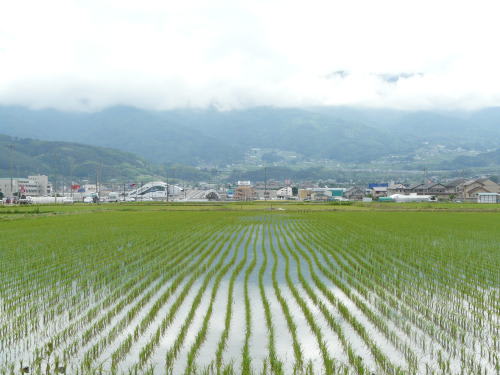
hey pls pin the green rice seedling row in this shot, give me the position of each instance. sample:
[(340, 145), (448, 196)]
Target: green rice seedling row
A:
[(152, 291)]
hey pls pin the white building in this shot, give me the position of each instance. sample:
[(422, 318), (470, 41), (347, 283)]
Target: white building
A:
[(35, 186), (284, 193), (157, 190), (488, 198), (413, 197)]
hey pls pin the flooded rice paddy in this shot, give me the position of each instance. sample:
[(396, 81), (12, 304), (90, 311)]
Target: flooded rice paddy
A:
[(268, 294)]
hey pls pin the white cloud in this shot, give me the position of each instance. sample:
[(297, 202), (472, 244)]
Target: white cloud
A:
[(160, 54)]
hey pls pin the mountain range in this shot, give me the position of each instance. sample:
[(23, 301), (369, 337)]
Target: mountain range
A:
[(210, 137)]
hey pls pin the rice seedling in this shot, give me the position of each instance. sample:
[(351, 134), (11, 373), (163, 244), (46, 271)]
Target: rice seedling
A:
[(138, 291), (246, 362)]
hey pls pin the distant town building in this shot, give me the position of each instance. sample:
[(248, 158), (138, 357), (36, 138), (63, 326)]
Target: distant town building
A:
[(266, 194), (305, 194), (459, 188), (321, 194), (284, 193), (156, 190), (378, 191), (230, 193), (413, 197), (377, 184), (471, 188), (354, 193), (244, 193), (436, 189), (454, 187), (488, 198), (395, 188), (35, 186)]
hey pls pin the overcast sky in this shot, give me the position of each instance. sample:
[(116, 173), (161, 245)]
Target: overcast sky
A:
[(91, 54)]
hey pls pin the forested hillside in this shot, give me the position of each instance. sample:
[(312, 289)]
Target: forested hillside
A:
[(23, 156)]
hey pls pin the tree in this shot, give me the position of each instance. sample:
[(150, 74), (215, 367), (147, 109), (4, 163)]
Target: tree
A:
[(295, 191), (212, 196)]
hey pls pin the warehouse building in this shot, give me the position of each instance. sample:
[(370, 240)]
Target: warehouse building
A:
[(34, 186)]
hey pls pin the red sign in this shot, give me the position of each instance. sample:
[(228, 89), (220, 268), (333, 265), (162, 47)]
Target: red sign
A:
[(75, 187)]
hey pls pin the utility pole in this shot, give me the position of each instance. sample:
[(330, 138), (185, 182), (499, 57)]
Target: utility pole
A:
[(426, 181), (55, 188), (166, 176), (173, 178), (463, 184), (97, 180), (265, 183), (11, 161), (71, 179), (216, 179), (100, 180)]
